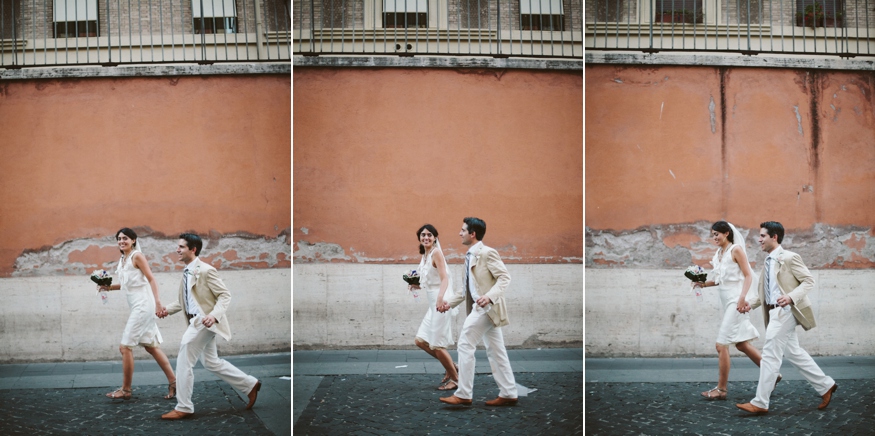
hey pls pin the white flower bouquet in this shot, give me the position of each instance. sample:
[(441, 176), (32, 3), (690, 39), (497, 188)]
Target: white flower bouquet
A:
[(411, 278), (101, 277), (696, 273)]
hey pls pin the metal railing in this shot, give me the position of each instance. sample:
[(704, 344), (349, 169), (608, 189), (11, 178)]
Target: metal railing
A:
[(810, 27), (497, 28), (112, 32)]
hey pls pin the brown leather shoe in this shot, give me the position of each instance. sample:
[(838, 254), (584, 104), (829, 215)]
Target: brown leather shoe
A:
[(747, 407), (778, 380), (454, 400), (502, 402), (175, 414), (827, 397), (253, 395)]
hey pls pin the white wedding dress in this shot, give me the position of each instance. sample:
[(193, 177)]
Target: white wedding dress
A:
[(142, 328), (436, 327), (735, 327)]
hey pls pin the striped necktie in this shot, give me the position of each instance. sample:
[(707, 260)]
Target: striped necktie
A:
[(185, 287), (767, 283)]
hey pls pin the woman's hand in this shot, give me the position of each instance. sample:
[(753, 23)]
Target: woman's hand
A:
[(440, 304), (103, 288), (412, 287), (741, 304), (698, 285)]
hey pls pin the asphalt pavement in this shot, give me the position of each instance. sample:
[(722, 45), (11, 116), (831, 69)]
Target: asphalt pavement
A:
[(68, 399), (393, 392), (662, 397)]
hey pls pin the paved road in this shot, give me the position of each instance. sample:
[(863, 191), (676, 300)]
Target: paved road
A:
[(68, 398), (392, 392), (661, 397)]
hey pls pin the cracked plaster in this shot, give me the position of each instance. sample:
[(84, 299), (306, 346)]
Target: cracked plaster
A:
[(82, 256), (681, 245)]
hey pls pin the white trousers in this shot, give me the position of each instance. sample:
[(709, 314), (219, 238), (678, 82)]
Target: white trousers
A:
[(479, 327), (200, 343), (781, 340)]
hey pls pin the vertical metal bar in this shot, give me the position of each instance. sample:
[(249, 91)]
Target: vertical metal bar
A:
[(3, 32), (277, 27), (246, 29), (151, 41), (228, 21), (33, 25), (184, 27)]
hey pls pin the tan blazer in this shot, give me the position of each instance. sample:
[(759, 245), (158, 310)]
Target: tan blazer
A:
[(794, 280), (488, 273), (211, 295)]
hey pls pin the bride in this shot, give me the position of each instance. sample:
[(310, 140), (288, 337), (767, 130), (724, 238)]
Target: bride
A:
[(733, 277), (435, 332)]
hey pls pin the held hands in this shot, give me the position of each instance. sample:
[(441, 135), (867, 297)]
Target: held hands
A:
[(740, 305), (745, 308), (161, 312)]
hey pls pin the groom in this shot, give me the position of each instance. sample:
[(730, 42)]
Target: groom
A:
[(486, 279), (204, 298), (782, 291)]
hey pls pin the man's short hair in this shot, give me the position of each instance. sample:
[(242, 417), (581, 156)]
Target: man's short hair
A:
[(774, 228), (476, 226), (194, 242)]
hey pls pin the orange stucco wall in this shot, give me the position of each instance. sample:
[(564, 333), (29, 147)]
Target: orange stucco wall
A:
[(379, 152), (671, 146), (653, 157), (84, 157)]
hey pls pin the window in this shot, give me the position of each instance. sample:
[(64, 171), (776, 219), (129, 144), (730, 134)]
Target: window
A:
[(405, 13), (610, 10), (9, 9), (217, 16), (820, 13), (474, 14), (75, 18), (542, 15), (678, 11)]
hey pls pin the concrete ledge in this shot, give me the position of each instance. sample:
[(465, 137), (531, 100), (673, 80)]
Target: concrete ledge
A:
[(817, 62), (436, 62), (30, 73), (348, 306), (651, 313), (52, 319)]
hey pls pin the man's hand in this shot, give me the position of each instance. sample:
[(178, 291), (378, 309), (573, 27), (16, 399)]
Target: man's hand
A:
[(745, 308), (784, 300), (484, 301), (161, 313), (209, 320)]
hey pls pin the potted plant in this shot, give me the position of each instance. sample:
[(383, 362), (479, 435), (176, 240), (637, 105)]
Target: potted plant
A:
[(812, 16), (834, 21)]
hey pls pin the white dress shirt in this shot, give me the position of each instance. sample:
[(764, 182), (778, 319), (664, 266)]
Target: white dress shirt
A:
[(472, 287), (191, 305), (773, 292)]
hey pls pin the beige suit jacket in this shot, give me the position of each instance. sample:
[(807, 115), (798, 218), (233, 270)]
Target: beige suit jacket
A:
[(211, 295), (794, 280), (490, 275)]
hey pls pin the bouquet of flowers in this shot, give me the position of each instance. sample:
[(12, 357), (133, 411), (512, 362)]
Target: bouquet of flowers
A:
[(101, 277), (696, 274), (411, 278)]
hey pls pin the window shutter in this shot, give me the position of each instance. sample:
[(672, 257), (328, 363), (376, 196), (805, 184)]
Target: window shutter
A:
[(398, 6), (541, 7), (214, 8), (75, 10)]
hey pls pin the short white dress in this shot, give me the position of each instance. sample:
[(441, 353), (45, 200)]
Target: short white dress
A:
[(735, 327), (436, 327), (142, 328)]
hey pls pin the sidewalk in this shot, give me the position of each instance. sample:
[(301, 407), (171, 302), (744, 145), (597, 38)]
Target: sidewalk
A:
[(68, 398), (661, 396), (393, 392)]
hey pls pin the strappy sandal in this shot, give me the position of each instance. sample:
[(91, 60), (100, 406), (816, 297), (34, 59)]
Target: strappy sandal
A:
[(120, 394), (721, 394), (171, 389), (447, 375), (449, 385)]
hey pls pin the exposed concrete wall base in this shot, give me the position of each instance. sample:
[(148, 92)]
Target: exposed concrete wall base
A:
[(437, 62), (145, 71), (730, 60)]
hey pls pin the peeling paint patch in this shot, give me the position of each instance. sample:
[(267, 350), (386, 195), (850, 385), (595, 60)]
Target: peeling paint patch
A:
[(798, 120), (319, 251), (305, 230), (713, 115), (83, 256), (681, 245)]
